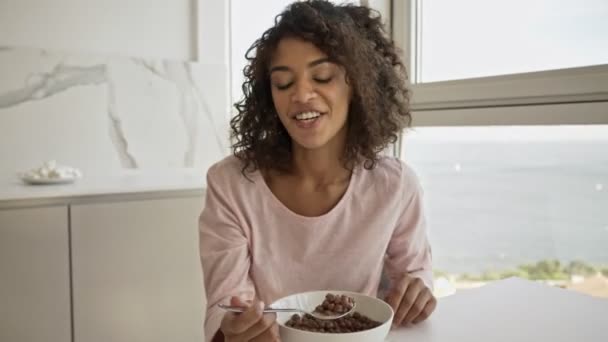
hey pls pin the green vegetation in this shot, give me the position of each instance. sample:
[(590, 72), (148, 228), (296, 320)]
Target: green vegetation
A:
[(541, 270), (545, 269), (580, 268), (439, 273)]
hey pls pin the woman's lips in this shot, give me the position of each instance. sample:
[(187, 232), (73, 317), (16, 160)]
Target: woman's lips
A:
[(310, 123)]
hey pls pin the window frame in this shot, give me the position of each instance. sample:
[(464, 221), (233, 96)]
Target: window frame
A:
[(535, 98)]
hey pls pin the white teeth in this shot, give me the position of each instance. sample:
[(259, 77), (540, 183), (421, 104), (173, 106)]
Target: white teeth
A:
[(308, 115)]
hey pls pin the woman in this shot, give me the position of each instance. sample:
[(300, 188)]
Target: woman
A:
[(307, 202)]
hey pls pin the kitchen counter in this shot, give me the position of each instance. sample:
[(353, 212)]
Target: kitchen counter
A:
[(75, 256), (511, 310), (125, 186)]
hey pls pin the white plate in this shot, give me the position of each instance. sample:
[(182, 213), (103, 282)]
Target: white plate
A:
[(42, 181)]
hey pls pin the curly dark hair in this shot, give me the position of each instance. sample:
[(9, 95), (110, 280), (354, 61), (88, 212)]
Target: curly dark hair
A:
[(352, 37)]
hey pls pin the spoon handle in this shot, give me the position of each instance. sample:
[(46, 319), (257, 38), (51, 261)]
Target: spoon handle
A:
[(241, 309)]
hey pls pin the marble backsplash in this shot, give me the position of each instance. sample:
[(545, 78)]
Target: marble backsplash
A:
[(108, 114)]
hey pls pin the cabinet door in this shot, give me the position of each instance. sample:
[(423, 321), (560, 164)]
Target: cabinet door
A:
[(34, 275), (136, 271)]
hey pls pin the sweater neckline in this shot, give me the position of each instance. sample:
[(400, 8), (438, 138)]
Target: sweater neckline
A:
[(282, 207)]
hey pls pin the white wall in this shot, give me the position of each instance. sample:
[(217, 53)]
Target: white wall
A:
[(103, 32), (142, 28)]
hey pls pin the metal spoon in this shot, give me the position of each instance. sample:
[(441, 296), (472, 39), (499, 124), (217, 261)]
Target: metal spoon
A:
[(268, 309)]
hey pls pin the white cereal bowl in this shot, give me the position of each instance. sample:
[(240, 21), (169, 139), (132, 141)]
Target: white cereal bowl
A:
[(371, 307)]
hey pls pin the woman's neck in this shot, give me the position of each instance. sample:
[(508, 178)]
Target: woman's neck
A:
[(322, 166)]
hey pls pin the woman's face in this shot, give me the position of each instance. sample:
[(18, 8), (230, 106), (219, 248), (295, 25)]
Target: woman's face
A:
[(310, 94)]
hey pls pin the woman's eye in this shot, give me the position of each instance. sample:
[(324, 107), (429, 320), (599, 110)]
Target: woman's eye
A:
[(283, 86), (323, 79)]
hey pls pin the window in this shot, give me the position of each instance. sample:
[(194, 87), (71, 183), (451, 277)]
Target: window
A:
[(475, 38), (510, 138), (528, 201), (562, 58)]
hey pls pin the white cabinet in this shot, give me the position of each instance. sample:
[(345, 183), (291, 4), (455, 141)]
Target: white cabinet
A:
[(34, 275), (136, 271)]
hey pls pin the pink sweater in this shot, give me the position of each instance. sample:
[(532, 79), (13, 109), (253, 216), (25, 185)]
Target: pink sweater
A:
[(251, 245)]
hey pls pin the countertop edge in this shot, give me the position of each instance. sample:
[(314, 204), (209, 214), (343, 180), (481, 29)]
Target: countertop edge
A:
[(71, 199)]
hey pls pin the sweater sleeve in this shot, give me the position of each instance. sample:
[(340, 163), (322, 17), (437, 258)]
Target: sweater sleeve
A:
[(409, 251), (224, 251)]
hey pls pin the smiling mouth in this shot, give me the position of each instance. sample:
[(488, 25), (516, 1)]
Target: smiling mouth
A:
[(307, 116)]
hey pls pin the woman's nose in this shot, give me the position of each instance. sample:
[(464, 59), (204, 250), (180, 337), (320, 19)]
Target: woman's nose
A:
[(303, 92)]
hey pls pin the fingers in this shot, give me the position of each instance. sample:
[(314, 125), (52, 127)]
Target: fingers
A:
[(396, 293), (237, 323), (269, 335), (427, 311), (263, 329), (417, 308), (237, 301), (251, 325), (411, 301), (413, 289)]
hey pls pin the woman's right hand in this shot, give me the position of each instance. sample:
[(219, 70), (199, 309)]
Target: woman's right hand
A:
[(250, 326)]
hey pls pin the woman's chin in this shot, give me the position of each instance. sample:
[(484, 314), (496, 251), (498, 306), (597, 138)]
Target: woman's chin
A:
[(310, 144)]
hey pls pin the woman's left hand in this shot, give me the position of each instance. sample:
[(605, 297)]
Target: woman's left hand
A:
[(412, 301)]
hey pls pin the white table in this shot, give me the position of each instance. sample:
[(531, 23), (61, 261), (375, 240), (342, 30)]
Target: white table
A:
[(512, 310)]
